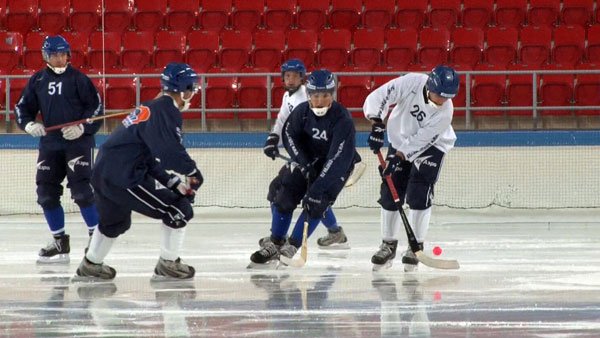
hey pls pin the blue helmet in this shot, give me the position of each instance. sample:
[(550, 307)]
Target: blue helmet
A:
[(443, 81), (178, 77), (320, 81), (54, 44), (293, 65)]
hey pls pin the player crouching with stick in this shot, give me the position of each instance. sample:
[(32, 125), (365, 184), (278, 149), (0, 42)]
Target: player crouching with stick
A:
[(134, 157), (319, 135)]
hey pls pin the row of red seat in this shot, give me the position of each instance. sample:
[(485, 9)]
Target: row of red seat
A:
[(183, 15), (251, 92), (365, 49)]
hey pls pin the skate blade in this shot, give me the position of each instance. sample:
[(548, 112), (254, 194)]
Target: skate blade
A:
[(382, 267), (57, 259), (270, 265), (89, 279), (160, 278), (336, 246), (410, 267), (295, 263)]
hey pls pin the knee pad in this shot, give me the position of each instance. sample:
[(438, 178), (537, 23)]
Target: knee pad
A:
[(419, 196), (386, 200), (179, 214), (114, 230), (49, 195), (82, 194)]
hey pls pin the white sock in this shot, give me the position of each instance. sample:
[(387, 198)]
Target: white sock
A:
[(391, 223), (171, 242), (99, 247), (419, 221)]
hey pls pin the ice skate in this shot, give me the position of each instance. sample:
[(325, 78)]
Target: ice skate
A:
[(383, 258), (172, 270), (287, 251), (57, 252), (88, 271), (267, 257), (334, 241), (409, 259)]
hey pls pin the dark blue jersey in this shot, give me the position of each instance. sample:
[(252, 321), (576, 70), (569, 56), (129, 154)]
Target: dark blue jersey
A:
[(60, 98), (148, 142), (327, 143)]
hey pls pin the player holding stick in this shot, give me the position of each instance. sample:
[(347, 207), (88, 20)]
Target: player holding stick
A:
[(318, 135), (420, 134), (62, 94), (134, 157)]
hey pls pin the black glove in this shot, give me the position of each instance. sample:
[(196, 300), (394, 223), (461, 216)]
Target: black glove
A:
[(392, 162), (308, 171), (270, 149), (178, 187), (376, 136), (194, 182), (315, 206)]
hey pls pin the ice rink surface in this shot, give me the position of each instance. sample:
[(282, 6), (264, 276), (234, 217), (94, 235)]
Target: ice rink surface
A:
[(533, 276)]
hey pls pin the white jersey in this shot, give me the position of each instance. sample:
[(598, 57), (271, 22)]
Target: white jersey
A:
[(413, 125), (288, 103)]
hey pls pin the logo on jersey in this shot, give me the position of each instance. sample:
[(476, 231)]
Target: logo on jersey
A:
[(424, 161), (42, 167), (140, 114), (77, 161)]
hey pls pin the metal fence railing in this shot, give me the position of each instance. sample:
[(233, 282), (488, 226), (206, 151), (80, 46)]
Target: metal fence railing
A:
[(271, 111)]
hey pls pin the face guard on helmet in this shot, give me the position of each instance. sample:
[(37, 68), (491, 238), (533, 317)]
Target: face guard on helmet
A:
[(442, 81), (320, 81), (293, 65), (55, 45), (180, 78)]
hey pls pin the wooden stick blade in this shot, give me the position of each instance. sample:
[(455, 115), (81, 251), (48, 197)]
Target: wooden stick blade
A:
[(448, 264), (295, 263)]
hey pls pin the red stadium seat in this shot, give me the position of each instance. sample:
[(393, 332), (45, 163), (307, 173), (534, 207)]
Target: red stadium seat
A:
[(138, 48), (411, 14), (2, 16), (543, 12), (312, 14), (214, 15), (279, 15), (235, 49), (592, 50), (268, 49), (368, 48), (181, 15), (117, 15), (477, 13), (53, 15), (510, 13), (220, 94), (11, 50), (120, 92), (401, 47), (444, 13), (105, 50), (301, 44), (488, 91), (467, 46), (17, 85), (277, 92), (378, 13), (334, 48), (79, 43), (353, 90), (150, 15), (32, 57), (501, 47), (170, 47), (149, 88), (434, 46), (556, 90), (252, 93), (85, 15), (569, 43), (2, 88), (345, 14), (247, 15), (519, 90), (202, 50), (577, 12), (586, 90), (21, 16), (535, 45)]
